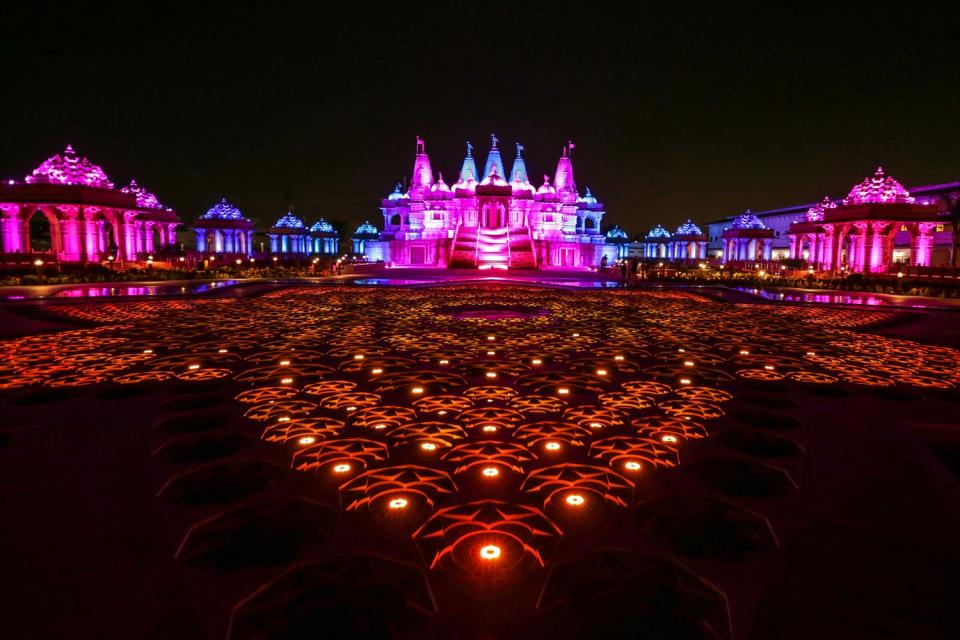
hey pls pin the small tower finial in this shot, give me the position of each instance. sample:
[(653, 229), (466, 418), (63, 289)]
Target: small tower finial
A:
[(494, 140), (469, 149), (519, 150), (420, 145)]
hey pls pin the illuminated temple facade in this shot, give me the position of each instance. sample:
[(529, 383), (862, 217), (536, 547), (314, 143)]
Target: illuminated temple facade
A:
[(859, 233), (493, 219), (86, 218), (223, 229)]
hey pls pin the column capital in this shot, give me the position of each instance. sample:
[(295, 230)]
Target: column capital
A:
[(70, 210)]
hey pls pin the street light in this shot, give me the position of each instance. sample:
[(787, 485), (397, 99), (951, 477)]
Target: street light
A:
[(239, 261), (38, 262)]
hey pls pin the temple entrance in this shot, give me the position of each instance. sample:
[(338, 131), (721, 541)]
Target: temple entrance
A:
[(493, 216), (846, 255), (107, 240), (41, 233)]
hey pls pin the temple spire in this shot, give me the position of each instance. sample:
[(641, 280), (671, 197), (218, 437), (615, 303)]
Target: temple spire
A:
[(519, 171), (563, 180), (422, 173), (493, 158), (469, 168)]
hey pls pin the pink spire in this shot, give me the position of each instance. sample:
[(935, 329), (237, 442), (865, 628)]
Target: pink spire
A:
[(422, 173), (563, 181)]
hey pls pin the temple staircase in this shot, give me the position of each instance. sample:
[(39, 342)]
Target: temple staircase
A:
[(493, 248), (521, 250), (487, 248), (464, 252)]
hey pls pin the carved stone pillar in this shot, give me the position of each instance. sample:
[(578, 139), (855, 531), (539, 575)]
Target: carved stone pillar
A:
[(70, 230), (829, 255), (924, 244), (878, 232), (148, 237), (860, 257), (129, 239), (12, 238)]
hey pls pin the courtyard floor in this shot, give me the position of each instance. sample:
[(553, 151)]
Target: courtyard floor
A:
[(478, 460)]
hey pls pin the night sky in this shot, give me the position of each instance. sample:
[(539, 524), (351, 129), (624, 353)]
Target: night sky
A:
[(675, 112)]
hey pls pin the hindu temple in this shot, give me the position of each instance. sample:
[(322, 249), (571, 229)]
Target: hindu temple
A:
[(493, 219)]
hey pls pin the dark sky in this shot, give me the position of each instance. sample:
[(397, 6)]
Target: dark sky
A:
[(677, 112)]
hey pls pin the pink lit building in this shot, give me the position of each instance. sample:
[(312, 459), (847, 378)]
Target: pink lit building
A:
[(491, 220), (859, 234), (89, 220)]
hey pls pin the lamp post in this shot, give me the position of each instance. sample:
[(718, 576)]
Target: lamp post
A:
[(38, 263)]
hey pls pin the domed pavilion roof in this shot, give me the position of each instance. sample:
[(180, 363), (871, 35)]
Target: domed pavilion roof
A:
[(322, 226), (658, 232), (616, 233), (145, 199), (223, 210), (880, 189), (289, 221), (747, 220), (70, 169), (688, 228), (366, 229)]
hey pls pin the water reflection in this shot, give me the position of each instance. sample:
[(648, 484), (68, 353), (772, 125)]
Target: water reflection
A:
[(95, 291), (821, 298)]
